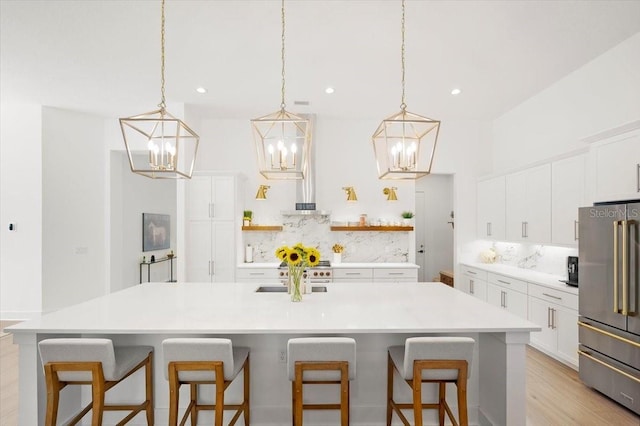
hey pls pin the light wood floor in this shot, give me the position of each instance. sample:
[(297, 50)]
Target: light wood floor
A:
[(555, 395)]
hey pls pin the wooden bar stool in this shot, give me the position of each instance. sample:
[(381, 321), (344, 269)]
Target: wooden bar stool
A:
[(321, 360), (198, 361), (439, 360), (95, 362)]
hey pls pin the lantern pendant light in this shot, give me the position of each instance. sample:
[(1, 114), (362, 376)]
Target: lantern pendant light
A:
[(404, 143), (158, 144), (282, 139)]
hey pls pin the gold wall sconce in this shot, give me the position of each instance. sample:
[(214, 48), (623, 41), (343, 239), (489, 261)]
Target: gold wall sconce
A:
[(262, 192), (351, 193), (390, 193)]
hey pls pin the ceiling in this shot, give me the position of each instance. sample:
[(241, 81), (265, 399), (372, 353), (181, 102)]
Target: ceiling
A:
[(104, 56)]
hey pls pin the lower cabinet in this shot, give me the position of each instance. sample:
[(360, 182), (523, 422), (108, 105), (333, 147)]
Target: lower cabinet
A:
[(557, 313), (507, 293), (352, 275), (473, 282), (395, 275), (210, 257), (258, 276)]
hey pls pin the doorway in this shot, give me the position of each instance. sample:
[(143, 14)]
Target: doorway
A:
[(434, 226)]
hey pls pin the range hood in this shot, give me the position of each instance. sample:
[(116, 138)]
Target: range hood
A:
[(306, 188)]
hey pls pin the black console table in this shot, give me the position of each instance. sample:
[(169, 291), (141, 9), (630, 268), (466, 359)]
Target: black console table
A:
[(148, 265)]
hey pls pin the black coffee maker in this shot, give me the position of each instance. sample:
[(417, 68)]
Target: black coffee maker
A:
[(572, 271)]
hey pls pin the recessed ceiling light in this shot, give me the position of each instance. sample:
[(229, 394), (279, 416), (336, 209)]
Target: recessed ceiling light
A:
[(329, 90), (456, 91), (201, 90)]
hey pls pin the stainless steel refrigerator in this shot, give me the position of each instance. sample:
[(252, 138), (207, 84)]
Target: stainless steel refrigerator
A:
[(609, 324)]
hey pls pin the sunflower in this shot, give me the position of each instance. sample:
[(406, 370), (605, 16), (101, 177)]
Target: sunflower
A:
[(281, 253), (313, 257), (293, 257)]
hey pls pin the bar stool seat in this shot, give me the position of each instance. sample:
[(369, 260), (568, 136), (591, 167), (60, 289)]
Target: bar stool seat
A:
[(94, 361), (196, 361), (321, 360), (439, 360)]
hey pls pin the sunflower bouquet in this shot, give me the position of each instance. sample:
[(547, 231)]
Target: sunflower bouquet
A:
[(297, 259)]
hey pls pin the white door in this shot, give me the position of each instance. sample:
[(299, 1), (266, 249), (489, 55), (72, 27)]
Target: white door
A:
[(198, 256), (434, 226)]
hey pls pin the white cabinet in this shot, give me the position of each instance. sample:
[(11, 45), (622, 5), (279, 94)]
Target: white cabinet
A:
[(557, 313), (473, 282), (567, 195), (617, 167), (211, 198), (395, 275), (258, 275), (528, 205), (507, 293), (352, 275), (210, 229), (491, 208)]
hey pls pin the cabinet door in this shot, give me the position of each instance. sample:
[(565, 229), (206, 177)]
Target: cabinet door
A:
[(491, 208), (541, 314), (494, 295), (567, 195), (198, 256), (222, 239), (516, 303), (515, 202), (199, 198), (537, 213), (479, 289), (618, 168), (566, 323), (222, 198)]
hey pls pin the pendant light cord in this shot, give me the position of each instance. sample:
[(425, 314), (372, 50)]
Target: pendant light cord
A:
[(403, 106), (282, 104), (162, 103)]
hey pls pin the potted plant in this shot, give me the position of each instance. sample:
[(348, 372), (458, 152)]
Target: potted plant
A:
[(337, 253), (406, 218), (247, 215)]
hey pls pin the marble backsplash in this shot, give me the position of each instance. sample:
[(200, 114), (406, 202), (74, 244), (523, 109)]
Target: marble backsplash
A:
[(315, 230), (541, 258)]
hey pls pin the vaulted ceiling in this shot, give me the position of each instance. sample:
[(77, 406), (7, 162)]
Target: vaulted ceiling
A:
[(104, 56)]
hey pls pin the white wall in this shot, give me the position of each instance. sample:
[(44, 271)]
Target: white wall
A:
[(132, 195), (601, 95), (74, 255), (20, 203)]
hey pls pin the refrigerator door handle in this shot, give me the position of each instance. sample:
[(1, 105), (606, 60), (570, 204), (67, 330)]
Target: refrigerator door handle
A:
[(625, 268), (610, 367), (627, 289), (616, 308)]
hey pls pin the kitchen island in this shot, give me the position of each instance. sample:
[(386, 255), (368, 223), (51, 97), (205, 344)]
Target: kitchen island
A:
[(377, 315)]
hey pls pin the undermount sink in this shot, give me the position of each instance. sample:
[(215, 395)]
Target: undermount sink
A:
[(283, 289)]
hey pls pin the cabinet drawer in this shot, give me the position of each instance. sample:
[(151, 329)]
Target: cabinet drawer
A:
[(508, 282), (354, 273), (478, 274), (554, 296), (392, 274), (256, 273)]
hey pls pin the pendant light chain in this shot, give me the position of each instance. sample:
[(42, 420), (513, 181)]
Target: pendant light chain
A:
[(282, 104), (403, 106), (162, 103)]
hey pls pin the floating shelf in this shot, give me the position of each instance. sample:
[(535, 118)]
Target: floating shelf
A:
[(372, 228), (262, 228)]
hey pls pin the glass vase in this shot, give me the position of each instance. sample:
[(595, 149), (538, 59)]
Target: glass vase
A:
[(295, 283)]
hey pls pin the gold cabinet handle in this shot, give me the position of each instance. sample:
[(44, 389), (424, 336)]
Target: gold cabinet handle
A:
[(610, 367)]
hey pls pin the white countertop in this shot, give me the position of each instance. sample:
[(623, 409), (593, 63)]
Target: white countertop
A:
[(234, 308), (344, 265), (535, 277)]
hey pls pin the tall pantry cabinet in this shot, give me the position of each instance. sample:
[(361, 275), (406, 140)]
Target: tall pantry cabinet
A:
[(211, 228)]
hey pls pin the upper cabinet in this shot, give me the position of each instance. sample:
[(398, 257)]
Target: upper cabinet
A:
[(567, 195), (491, 208), (617, 167), (211, 198), (528, 205)]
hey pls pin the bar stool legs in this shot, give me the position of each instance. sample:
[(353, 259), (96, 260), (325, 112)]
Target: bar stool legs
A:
[(297, 385)]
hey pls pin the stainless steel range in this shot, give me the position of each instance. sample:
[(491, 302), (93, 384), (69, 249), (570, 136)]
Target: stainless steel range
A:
[(316, 275)]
